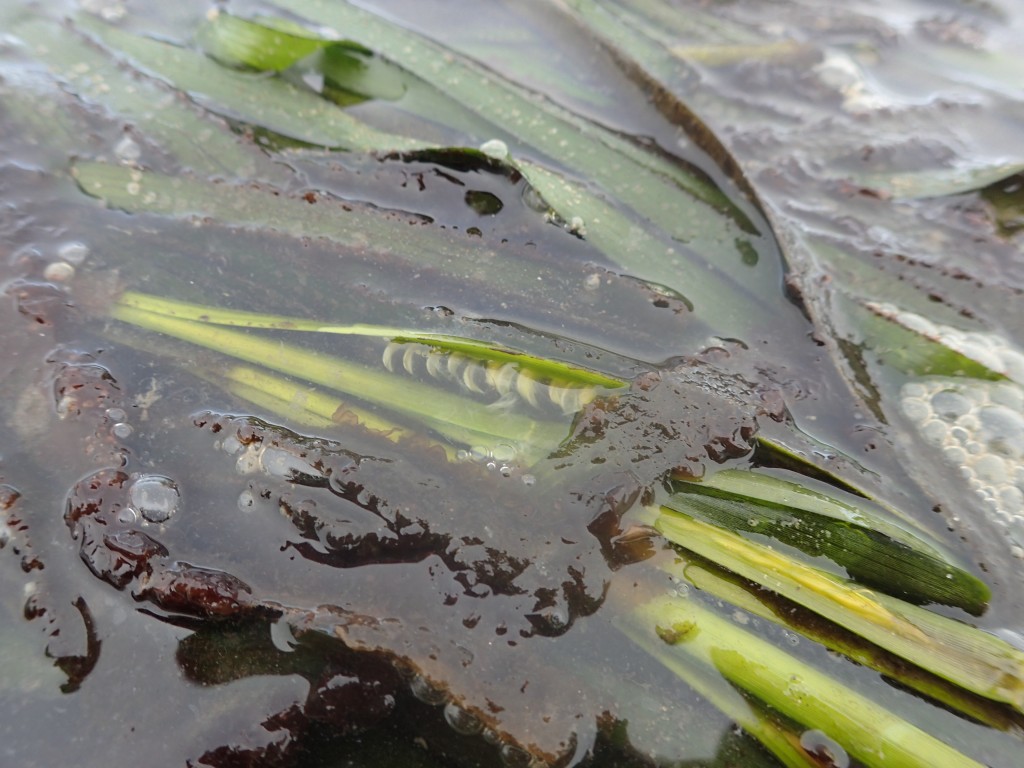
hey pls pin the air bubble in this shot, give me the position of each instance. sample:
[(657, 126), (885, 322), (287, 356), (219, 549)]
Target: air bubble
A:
[(122, 430), (934, 431), (73, 253), (246, 500), (128, 150), (461, 720), (503, 452), (155, 497), (127, 516), (529, 480), (231, 445), (991, 469), (426, 692), (248, 462), (915, 409), (495, 149), (955, 455), (592, 281), (950, 404), (286, 465), (824, 749), (515, 757), (1002, 430), (914, 389), (490, 736), (1009, 395), (116, 414), (59, 272)]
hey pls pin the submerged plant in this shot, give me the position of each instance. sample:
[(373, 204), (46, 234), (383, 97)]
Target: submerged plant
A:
[(489, 420)]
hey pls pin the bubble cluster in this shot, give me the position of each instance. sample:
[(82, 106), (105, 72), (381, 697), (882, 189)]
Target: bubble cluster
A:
[(506, 381), (978, 426)]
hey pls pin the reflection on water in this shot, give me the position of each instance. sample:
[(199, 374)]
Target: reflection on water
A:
[(434, 545)]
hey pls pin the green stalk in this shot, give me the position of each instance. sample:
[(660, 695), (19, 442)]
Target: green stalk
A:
[(754, 600), (875, 736), (854, 533), (453, 416), (541, 368), (721, 694), (968, 657)]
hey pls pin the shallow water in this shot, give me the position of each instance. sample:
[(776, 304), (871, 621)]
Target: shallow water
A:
[(481, 601)]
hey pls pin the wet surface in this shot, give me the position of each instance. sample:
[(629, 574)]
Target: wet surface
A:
[(172, 549)]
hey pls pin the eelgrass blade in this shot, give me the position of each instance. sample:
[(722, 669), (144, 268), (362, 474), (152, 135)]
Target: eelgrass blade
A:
[(194, 140), (968, 657), (722, 695), (541, 368), (254, 207), (681, 202), (270, 47), (681, 632), (852, 532), (751, 598), (453, 416), (274, 104)]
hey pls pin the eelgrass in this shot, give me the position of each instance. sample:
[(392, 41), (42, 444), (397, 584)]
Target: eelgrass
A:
[(660, 223), (972, 659), (681, 633)]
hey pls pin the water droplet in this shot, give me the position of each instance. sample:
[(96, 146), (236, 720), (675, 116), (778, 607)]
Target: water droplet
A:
[(426, 692), (831, 754), (155, 497), (461, 720)]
